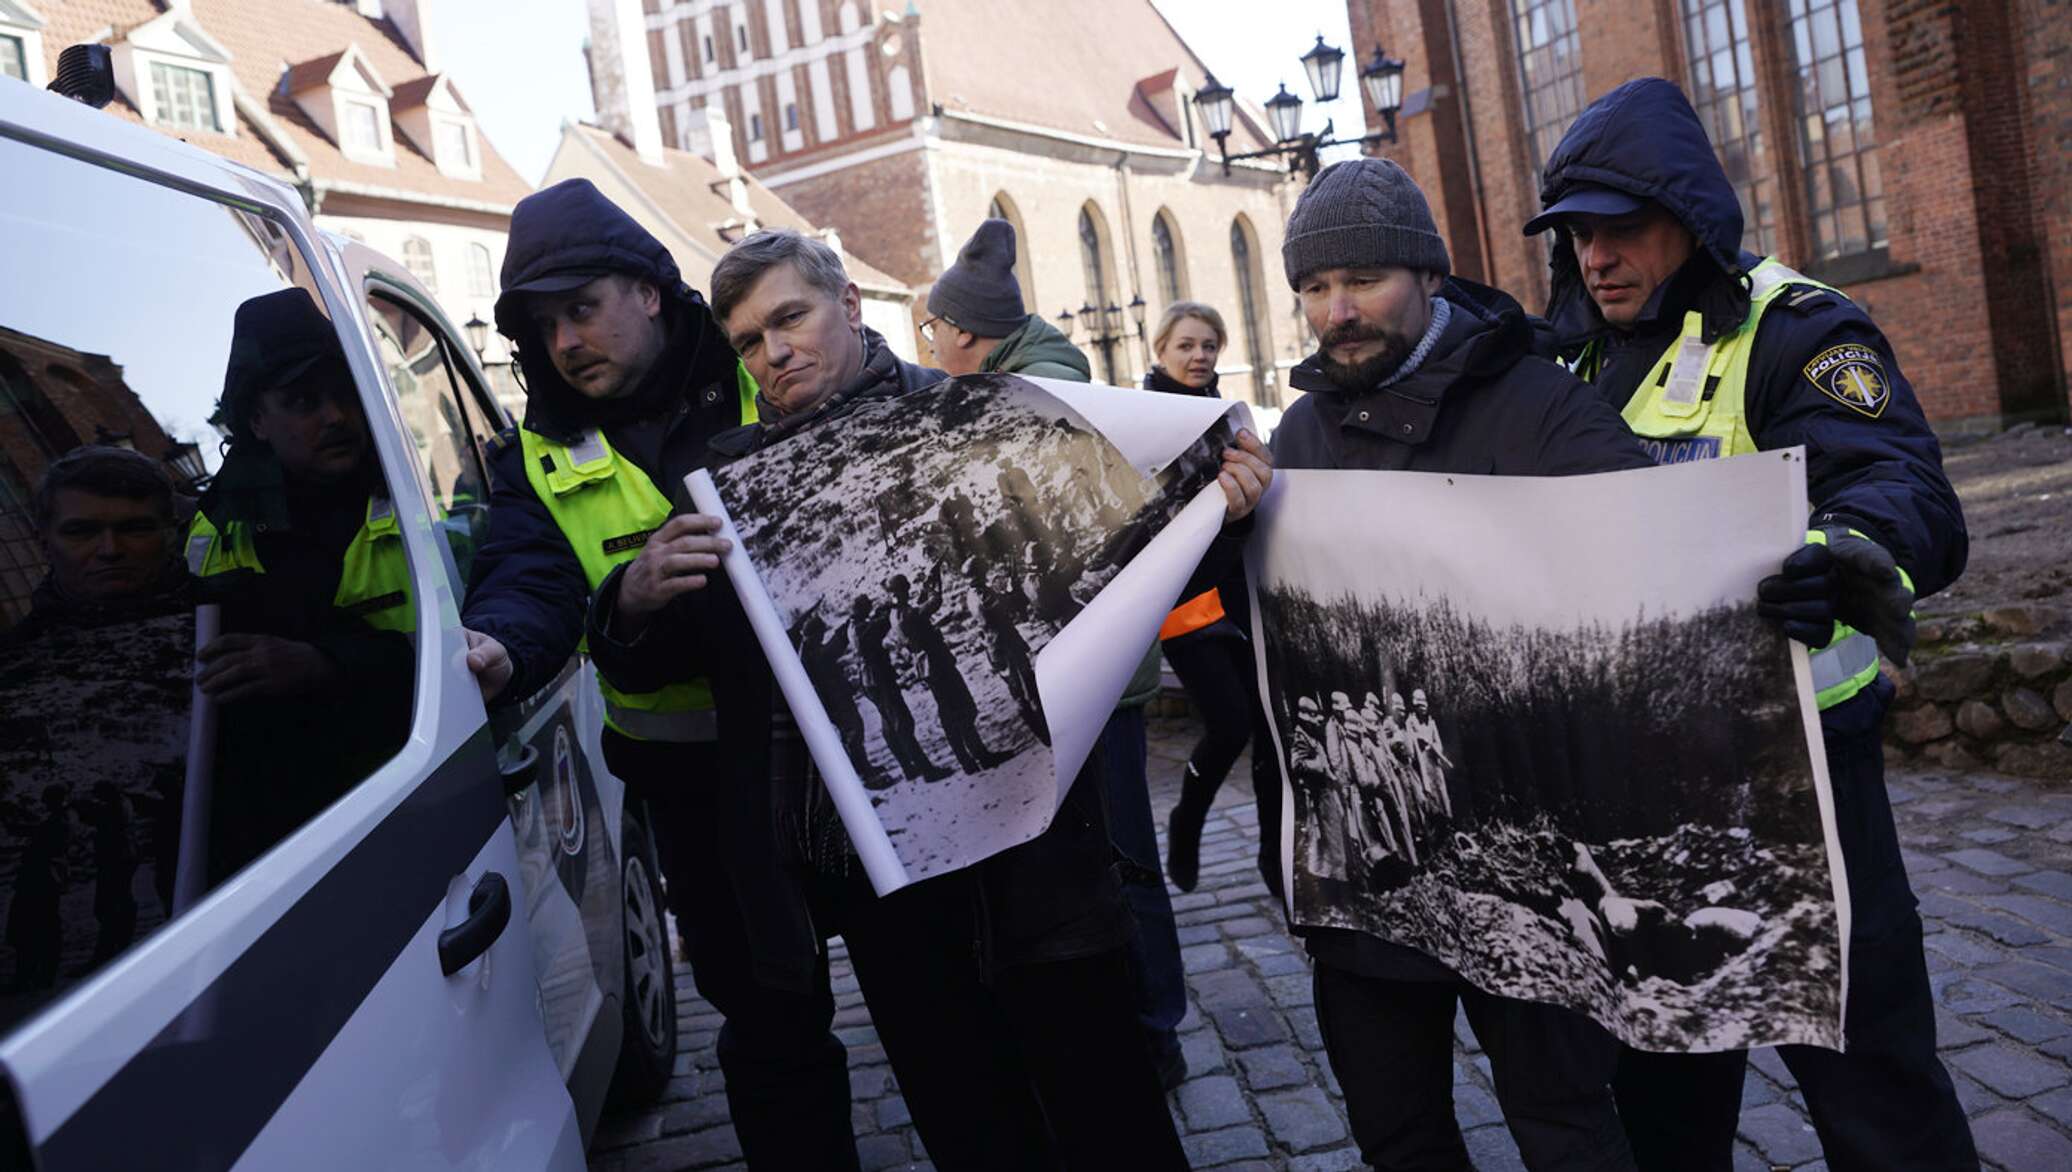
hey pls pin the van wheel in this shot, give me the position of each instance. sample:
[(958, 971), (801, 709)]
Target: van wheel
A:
[(647, 1056)]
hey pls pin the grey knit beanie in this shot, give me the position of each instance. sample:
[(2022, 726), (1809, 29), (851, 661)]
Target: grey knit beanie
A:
[(1363, 212), (979, 292)]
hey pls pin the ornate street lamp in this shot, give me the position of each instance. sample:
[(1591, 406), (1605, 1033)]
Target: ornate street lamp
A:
[(1111, 320), (1067, 323), (1214, 102), (1136, 308), (478, 334), (1382, 78), (1284, 112), (1322, 63), (185, 458)]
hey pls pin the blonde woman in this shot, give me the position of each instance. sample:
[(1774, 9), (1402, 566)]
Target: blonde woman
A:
[(1208, 650)]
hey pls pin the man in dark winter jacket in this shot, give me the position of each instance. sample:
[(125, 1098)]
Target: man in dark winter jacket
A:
[(1000, 990), (627, 378), (1711, 351), (1418, 372)]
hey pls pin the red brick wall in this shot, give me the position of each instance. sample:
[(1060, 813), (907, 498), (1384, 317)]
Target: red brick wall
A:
[(882, 207)]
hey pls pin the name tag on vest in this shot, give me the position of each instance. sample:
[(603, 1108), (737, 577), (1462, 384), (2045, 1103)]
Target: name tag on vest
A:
[(1682, 451), (1686, 374), (626, 541)]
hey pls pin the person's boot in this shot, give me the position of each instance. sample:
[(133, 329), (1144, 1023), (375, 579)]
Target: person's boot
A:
[(1183, 829)]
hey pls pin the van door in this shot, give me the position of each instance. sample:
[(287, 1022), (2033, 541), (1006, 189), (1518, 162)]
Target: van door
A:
[(565, 810), (260, 913)]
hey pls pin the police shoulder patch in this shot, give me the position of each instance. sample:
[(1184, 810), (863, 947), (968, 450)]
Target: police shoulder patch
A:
[(1852, 374)]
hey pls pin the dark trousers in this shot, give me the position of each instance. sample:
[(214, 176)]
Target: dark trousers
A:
[(1215, 666), (1391, 1045), (1161, 987), (1884, 1103), (1036, 1067), (786, 1073)]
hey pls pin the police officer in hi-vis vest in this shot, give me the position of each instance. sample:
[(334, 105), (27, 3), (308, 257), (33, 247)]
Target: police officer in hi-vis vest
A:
[(296, 538), (1711, 351), (627, 377)]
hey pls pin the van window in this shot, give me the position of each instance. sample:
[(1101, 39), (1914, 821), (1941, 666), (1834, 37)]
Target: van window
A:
[(447, 423), (185, 458)]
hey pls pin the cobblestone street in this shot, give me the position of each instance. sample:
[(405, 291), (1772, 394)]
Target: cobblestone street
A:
[(1991, 860)]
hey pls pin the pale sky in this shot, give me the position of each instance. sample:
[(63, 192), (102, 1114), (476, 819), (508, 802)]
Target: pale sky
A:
[(520, 62)]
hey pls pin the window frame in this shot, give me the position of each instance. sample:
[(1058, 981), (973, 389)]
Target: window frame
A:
[(347, 140), (161, 109), (429, 278), (1541, 120), (1825, 245)]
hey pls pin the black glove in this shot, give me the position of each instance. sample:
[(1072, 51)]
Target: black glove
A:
[(1851, 579)]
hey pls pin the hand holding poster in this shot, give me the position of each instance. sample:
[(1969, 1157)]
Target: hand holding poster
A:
[(953, 587), (1536, 730)]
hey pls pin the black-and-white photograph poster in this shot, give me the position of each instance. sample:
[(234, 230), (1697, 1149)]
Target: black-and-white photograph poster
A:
[(913, 567), (1535, 729)]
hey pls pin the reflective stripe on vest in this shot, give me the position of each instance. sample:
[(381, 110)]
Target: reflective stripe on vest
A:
[(1192, 615), (373, 577), (606, 508), (1692, 406)]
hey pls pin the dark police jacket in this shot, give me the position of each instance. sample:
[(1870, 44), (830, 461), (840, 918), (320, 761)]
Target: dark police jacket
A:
[(1482, 405), (1054, 897), (1875, 467), (528, 590)]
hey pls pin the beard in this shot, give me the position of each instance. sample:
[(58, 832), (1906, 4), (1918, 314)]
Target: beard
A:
[(1362, 375)]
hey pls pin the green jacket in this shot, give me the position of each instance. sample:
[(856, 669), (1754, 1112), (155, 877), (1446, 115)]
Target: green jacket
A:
[(1039, 350)]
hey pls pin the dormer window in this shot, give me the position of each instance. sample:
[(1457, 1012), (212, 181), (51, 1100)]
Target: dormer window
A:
[(456, 141), (360, 127), (430, 113), (186, 99), (21, 43), (348, 101), (175, 74), (14, 57)]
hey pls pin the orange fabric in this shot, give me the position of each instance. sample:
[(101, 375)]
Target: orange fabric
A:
[(1192, 615)]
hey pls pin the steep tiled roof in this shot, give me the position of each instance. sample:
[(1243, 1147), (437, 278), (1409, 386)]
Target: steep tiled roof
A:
[(689, 191), (266, 39), (1097, 52)]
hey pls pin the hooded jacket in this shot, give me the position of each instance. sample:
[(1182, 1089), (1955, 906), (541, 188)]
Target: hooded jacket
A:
[(1038, 350), (1877, 470), (1478, 404), (1051, 898), (528, 589)]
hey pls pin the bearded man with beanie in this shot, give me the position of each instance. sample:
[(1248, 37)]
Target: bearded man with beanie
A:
[(1418, 371)]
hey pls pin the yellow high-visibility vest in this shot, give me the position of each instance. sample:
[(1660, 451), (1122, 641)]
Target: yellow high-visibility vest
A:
[(373, 580), (1693, 406)]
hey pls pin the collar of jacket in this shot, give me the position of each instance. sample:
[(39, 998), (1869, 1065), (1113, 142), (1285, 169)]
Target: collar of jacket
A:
[(883, 376), (1156, 379), (1036, 347), (697, 355), (1487, 335)]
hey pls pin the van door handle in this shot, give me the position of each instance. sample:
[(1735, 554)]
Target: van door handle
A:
[(489, 909), (519, 774)]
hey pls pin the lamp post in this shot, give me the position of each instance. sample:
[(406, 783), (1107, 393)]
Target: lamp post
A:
[(1067, 324), (1136, 308), (1381, 78), (478, 334)]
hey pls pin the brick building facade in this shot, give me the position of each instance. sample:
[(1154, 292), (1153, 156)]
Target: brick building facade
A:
[(902, 125), (1917, 153)]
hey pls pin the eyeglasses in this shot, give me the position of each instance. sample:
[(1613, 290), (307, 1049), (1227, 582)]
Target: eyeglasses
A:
[(928, 327)]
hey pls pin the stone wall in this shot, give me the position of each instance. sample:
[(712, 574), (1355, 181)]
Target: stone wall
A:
[(1992, 689)]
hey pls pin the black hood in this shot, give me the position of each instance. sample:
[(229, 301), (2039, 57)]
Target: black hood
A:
[(563, 237), (1644, 139)]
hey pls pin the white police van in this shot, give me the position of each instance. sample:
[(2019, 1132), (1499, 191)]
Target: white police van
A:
[(452, 944)]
